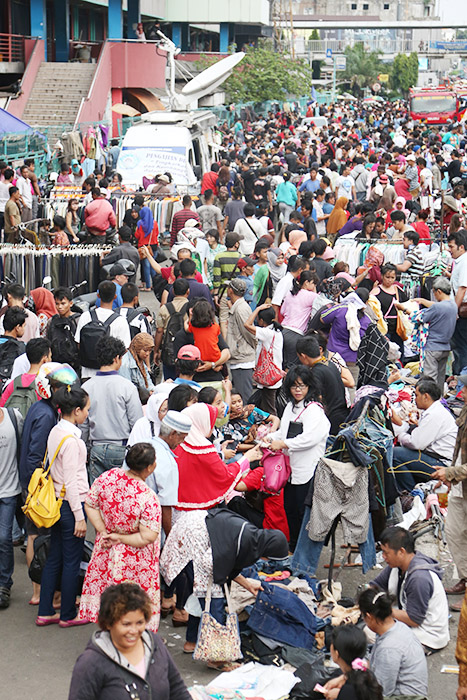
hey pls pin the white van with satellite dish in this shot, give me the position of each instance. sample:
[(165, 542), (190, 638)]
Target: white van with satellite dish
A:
[(320, 122), (179, 141)]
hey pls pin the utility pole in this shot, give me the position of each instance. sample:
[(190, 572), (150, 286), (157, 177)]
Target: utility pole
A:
[(333, 95), (292, 41)]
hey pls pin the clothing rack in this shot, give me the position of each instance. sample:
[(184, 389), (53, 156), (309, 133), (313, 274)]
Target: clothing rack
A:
[(353, 252), (28, 265)]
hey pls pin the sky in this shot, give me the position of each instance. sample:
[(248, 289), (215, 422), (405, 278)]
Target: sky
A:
[(453, 9)]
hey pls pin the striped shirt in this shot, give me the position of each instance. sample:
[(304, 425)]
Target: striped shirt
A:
[(179, 220), (223, 267), (415, 256)]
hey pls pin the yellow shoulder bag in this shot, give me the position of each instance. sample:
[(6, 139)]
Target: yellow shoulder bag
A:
[(42, 506)]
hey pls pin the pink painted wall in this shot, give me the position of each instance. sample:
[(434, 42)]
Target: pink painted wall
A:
[(34, 55), (137, 65), (117, 97), (93, 107), (122, 65)]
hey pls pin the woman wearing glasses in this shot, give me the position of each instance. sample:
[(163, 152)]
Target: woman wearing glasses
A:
[(302, 436)]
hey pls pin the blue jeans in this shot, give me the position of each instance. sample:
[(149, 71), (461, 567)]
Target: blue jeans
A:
[(63, 563), (459, 345), (217, 610), (412, 467), (7, 560), (105, 456), (147, 273), (307, 552)]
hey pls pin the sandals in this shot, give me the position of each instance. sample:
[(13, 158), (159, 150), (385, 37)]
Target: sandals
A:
[(45, 621), (224, 666)]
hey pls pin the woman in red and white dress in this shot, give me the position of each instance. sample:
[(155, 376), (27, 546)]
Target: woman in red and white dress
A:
[(127, 517)]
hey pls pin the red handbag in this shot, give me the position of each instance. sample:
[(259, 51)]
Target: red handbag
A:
[(266, 372)]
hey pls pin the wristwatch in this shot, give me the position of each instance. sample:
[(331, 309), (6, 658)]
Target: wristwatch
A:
[(213, 365)]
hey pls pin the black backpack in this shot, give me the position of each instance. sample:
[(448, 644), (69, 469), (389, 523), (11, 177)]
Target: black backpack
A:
[(130, 316), (90, 335), (61, 333), (174, 325), (10, 349), (159, 285)]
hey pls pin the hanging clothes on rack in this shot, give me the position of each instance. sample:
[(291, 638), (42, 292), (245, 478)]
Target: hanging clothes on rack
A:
[(28, 266)]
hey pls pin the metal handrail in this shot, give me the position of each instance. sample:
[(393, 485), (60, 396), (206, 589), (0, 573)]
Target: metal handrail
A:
[(12, 48)]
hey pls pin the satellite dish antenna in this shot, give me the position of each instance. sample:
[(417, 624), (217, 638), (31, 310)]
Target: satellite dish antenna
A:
[(212, 77), (204, 83)]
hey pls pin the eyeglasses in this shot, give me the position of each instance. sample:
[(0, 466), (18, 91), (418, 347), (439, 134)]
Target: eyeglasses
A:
[(299, 386)]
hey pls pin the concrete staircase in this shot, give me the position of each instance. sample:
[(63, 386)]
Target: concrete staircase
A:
[(56, 96)]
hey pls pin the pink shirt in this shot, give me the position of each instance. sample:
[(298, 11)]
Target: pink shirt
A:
[(69, 467), (296, 310), (99, 216), (26, 380)]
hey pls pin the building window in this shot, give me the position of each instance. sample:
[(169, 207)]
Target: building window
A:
[(386, 6), (365, 6), (353, 6)]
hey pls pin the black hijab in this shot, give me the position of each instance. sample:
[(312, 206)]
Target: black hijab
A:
[(236, 543)]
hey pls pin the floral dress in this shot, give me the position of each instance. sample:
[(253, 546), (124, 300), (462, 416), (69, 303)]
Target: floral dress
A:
[(124, 504)]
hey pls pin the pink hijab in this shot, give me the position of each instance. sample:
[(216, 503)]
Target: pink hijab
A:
[(296, 238), (202, 416), (401, 200)]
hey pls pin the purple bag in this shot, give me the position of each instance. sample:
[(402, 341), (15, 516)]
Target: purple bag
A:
[(277, 471)]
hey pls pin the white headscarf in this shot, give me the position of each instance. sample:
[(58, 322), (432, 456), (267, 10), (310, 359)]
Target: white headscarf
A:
[(152, 410)]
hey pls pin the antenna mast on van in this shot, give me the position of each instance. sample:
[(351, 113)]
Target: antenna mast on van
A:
[(167, 45)]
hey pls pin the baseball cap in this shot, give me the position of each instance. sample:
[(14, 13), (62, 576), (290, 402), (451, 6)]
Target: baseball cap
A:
[(189, 352), (177, 421), (231, 238), (463, 378), (276, 159), (410, 157), (246, 262), (118, 269), (383, 178), (238, 286)]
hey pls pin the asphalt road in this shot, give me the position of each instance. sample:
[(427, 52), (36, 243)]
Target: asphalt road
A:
[(36, 663)]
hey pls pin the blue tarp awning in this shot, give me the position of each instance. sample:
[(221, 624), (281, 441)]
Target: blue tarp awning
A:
[(10, 124)]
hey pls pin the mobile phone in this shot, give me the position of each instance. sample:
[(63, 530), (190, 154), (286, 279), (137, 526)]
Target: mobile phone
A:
[(319, 689)]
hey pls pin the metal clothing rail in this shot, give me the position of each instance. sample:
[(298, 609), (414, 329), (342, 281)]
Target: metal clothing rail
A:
[(28, 265)]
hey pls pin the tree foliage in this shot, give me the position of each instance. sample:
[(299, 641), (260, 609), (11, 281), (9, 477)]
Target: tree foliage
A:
[(362, 68), (404, 73), (314, 36), (265, 74)]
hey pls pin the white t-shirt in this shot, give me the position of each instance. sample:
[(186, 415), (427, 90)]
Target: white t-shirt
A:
[(427, 176), (320, 225), (265, 336), (4, 195), (344, 186), (202, 248), (250, 238), (284, 286), (24, 186), (119, 328)]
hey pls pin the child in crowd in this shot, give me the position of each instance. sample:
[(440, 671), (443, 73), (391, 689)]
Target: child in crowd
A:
[(205, 331), (247, 423), (348, 648)]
